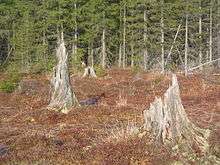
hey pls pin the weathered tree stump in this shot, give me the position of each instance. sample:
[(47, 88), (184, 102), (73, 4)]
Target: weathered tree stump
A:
[(168, 121), (62, 96), (89, 71)]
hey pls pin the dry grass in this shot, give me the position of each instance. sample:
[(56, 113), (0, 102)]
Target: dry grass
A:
[(121, 133), (122, 101)]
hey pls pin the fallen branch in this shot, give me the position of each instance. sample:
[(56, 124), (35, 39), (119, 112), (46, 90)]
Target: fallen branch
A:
[(203, 64)]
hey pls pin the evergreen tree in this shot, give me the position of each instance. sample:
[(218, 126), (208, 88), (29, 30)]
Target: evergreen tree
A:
[(137, 33)]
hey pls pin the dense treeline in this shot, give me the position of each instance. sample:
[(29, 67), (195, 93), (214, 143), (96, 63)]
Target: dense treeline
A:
[(163, 34)]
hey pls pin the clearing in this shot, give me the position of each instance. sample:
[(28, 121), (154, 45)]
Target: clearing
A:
[(105, 133)]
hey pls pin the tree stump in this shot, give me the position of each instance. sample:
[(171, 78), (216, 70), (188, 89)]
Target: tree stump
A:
[(168, 121), (89, 71), (62, 96)]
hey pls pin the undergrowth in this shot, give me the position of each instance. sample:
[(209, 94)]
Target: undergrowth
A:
[(9, 84), (100, 72)]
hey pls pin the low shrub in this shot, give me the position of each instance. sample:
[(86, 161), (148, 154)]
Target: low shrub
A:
[(11, 82), (136, 69), (100, 72), (50, 65), (75, 61), (42, 67), (7, 86), (171, 66), (37, 69)]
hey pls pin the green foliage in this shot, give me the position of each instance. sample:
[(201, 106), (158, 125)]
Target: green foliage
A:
[(30, 29), (11, 82), (13, 73), (50, 65), (43, 66), (37, 68), (171, 66), (136, 69), (100, 72), (75, 61), (7, 86)]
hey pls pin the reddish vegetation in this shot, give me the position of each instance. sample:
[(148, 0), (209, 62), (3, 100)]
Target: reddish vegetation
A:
[(34, 134)]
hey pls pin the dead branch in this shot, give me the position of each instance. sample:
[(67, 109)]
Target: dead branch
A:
[(203, 64)]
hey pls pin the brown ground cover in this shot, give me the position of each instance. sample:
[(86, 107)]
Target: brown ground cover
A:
[(104, 133)]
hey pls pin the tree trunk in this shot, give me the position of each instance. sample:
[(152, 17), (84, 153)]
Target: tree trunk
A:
[(145, 39), (124, 39), (119, 56), (89, 71), (218, 33), (171, 48), (168, 121), (45, 58), (132, 54), (162, 35), (62, 98), (186, 47), (200, 35), (210, 32), (103, 49), (92, 57), (74, 46)]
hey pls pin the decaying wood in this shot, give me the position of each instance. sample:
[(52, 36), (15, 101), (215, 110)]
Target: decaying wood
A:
[(62, 96), (168, 121), (89, 71)]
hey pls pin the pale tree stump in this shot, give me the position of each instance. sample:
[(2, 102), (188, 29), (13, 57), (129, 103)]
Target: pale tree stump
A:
[(63, 98), (89, 71), (168, 122)]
